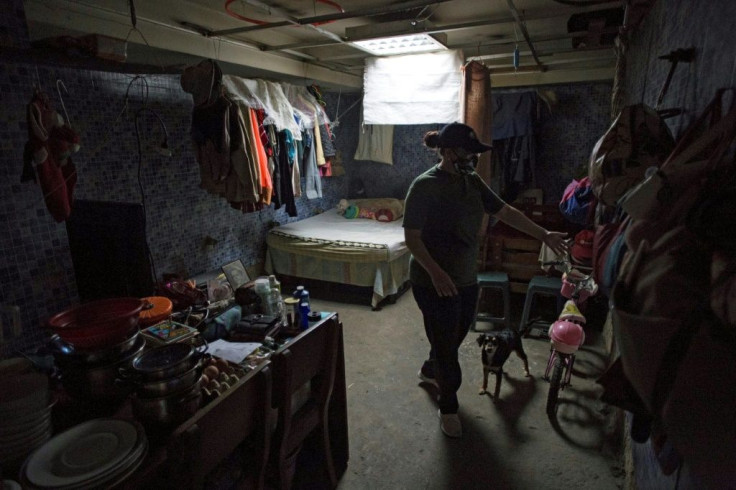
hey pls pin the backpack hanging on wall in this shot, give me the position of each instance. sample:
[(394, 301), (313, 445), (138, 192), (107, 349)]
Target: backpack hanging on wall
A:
[(578, 202), (637, 139)]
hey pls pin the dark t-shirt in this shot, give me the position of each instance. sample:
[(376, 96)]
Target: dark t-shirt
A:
[(448, 208)]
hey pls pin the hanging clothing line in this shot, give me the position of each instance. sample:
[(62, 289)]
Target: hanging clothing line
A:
[(256, 139)]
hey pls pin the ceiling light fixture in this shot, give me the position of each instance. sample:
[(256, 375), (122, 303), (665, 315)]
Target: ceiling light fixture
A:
[(397, 45)]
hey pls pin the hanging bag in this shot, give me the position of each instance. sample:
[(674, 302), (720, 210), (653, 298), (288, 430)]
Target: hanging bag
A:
[(678, 355), (696, 154), (637, 139)]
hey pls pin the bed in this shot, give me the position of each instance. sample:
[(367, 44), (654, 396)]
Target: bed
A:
[(331, 248)]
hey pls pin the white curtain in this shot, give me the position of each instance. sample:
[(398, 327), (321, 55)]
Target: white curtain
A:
[(413, 89)]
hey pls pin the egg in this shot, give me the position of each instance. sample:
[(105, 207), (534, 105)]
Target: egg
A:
[(204, 380), (211, 372), (222, 365)]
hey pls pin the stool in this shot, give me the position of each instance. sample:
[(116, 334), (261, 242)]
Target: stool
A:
[(496, 280), (549, 286)]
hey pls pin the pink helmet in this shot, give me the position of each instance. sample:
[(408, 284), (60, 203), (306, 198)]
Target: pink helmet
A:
[(566, 336)]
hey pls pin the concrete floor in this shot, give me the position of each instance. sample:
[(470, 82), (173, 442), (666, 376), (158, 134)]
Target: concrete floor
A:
[(395, 438)]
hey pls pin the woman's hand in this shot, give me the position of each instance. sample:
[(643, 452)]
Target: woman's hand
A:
[(443, 283), (557, 242)]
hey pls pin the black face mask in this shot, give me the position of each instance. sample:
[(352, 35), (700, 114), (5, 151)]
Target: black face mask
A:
[(467, 165)]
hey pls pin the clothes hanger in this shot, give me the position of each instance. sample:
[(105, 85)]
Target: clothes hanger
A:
[(60, 83)]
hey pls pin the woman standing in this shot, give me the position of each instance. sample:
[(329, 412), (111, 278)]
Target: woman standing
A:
[(442, 218)]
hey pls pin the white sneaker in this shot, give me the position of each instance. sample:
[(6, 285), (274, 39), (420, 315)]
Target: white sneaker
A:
[(427, 379), (450, 424)]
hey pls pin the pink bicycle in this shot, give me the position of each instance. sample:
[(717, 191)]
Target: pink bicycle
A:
[(567, 333)]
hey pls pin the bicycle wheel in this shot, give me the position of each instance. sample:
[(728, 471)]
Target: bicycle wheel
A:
[(554, 385)]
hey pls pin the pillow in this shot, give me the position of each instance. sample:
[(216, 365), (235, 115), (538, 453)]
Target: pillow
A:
[(394, 207)]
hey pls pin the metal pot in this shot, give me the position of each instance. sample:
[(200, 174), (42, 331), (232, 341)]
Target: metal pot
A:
[(64, 352), (168, 410), (82, 381), (165, 362), (164, 387)]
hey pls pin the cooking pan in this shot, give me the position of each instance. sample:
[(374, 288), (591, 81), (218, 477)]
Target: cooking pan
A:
[(164, 362)]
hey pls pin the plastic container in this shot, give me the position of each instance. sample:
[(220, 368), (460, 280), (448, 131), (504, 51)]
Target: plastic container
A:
[(304, 297), (298, 292), (263, 290)]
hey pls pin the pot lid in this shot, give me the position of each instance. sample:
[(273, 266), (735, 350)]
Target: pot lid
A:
[(163, 357), (156, 309)]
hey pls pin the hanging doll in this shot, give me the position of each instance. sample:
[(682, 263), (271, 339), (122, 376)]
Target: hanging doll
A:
[(50, 144)]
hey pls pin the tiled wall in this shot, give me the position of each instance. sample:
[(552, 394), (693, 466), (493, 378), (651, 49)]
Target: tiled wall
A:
[(672, 25), (35, 266), (565, 138)]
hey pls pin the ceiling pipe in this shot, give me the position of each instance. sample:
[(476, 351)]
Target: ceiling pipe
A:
[(292, 20), (494, 43), (524, 32), (366, 12), (432, 30)]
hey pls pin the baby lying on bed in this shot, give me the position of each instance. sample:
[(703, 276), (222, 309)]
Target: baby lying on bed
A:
[(380, 209)]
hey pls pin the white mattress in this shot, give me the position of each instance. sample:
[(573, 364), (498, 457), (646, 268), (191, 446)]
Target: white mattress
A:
[(331, 227)]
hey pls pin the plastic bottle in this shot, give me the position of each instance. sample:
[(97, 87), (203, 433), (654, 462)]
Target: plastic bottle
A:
[(276, 305), (263, 291), (274, 283), (304, 315), (298, 292), (304, 297)]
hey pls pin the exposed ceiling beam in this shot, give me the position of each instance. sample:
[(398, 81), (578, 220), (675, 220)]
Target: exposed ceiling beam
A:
[(437, 29), (551, 77), (88, 17), (365, 12)]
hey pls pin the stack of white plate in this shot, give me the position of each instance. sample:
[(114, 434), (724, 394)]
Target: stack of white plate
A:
[(96, 454), (25, 416)]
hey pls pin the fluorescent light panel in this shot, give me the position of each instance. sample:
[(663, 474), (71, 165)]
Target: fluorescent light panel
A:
[(388, 46)]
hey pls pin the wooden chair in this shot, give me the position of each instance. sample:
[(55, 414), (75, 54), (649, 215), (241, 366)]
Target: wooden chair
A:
[(305, 365), (242, 414)]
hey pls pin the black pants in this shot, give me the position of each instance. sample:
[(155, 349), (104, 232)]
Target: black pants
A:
[(447, 320)]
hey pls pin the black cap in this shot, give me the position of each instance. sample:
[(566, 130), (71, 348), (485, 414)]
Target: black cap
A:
[(458, 135)]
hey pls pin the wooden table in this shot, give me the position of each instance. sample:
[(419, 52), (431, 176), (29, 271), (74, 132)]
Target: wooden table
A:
[(182, 455)]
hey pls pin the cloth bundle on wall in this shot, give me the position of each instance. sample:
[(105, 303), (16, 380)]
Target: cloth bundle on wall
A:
[(254, 139), (48, 151)]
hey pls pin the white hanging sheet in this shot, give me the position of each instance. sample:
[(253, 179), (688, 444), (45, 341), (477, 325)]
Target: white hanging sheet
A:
[(413, 89), (262, 94), (305, 104)]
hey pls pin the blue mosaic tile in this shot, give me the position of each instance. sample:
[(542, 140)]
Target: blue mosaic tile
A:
[(35, 265)]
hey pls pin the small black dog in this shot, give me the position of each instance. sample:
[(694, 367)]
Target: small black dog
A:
[(496, 349)]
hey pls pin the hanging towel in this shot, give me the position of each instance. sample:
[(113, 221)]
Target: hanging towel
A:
[(376, 143), (313, 184)]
